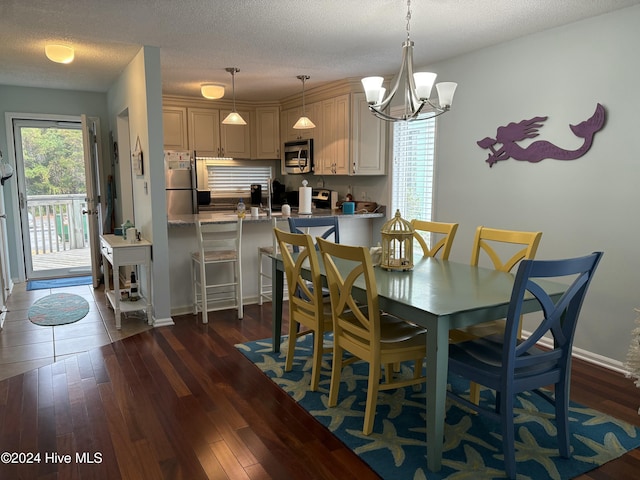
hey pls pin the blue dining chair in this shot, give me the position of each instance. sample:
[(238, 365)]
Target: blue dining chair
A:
[(323, 227), (305, 224), (508, 365)]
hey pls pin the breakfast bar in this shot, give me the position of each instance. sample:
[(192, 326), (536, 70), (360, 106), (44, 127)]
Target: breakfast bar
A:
[(355, 229)]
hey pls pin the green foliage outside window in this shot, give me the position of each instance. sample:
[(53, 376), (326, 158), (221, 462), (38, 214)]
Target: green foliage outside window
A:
[(53, 161)]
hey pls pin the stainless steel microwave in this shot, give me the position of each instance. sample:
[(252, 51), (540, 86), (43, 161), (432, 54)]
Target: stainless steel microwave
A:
[(298, 156)]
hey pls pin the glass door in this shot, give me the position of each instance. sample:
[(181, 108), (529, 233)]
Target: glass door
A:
[(50, 158)]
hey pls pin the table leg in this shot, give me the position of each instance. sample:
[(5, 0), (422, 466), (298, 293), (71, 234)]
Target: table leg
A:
[(277, 292), (107, 283), (437, 367), (149, 320)]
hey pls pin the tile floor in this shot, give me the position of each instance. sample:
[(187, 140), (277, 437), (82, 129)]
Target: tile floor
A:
[(25, 346)]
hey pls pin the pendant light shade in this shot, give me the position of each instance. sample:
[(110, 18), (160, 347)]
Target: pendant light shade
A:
[(234, 117), (59, 53), (303, 122)]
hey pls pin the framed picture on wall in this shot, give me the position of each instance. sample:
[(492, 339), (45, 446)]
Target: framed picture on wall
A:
[(136, 159)]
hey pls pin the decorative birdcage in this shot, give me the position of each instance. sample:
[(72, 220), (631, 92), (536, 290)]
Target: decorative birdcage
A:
[(397, 244)]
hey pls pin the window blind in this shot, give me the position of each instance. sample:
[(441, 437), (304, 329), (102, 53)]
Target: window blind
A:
[(412, 169), (233, 181)]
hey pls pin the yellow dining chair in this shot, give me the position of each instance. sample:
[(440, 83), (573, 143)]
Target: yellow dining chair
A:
[(363, 331), (490, 241), (438, 234), (306, 306)]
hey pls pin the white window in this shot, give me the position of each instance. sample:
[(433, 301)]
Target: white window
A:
[(226, 181), (412, 169)]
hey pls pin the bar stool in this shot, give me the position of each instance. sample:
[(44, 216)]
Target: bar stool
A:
[(218, 244)]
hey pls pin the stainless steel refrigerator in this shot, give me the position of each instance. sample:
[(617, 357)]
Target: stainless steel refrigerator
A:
[(180, 177)]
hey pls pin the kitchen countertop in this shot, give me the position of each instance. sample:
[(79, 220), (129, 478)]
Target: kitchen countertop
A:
[(230, 216)]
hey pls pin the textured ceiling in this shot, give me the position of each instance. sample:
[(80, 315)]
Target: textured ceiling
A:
[(271, 41)]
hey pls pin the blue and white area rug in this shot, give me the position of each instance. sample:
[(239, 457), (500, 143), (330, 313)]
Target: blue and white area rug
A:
[(58, 309), (473, 446)]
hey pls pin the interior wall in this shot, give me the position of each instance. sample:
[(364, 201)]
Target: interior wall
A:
[(581, 205), (45, 101), (138, 91)]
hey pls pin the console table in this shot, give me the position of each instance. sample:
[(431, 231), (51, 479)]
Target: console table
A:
[(119, 252)]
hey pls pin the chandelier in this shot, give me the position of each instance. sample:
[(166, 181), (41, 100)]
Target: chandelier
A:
[(417, 88)]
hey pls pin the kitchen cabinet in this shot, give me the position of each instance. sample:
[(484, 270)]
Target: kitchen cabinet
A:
[(332, 150), (204, 131), (267, 133), (235, 140), (174, 122), (209, 137), (368, 139)]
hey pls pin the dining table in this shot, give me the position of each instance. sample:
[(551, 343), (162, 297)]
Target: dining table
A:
[(438, 295)]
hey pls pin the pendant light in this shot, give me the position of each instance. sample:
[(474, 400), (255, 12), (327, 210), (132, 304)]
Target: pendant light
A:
[(303, 122), (234, 117)]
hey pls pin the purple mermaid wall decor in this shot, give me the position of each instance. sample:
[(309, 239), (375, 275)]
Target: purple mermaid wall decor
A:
[(539, 150)]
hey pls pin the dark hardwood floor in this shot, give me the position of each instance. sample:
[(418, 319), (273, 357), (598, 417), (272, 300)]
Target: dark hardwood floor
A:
[(182, 403)]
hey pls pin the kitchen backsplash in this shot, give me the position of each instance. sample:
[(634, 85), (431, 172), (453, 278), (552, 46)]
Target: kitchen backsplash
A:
[(362, 188)]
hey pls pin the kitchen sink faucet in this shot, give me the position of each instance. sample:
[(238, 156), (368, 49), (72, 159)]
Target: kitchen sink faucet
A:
[(268, 209)]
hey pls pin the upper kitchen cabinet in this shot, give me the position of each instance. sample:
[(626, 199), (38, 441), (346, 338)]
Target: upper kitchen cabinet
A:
[(174, 121), (332, 148), (267, 134), (368, 139), (235, 140), (204, 131), (209, 137)]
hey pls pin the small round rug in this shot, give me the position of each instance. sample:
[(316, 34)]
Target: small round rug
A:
[(58, 309)]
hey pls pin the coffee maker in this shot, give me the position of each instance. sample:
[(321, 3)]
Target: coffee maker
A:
[(256, 194)]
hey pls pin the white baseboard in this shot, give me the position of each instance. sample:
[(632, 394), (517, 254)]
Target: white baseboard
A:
[(587, 356), (162, 322)]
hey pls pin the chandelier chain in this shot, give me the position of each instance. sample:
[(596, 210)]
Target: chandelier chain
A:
[(408, 17)]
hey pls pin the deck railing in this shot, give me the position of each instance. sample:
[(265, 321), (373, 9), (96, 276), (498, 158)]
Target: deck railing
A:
[(56, 223)]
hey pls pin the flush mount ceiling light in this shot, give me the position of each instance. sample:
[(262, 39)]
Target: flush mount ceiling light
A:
[(234, 117), (59, 53), (212, 91), (303, 122), (417, 88)]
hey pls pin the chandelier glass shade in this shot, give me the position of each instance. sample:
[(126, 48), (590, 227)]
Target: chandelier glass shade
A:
[(303, 122), (234, 118), (417, 89), (212, 91), (59, 53)]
